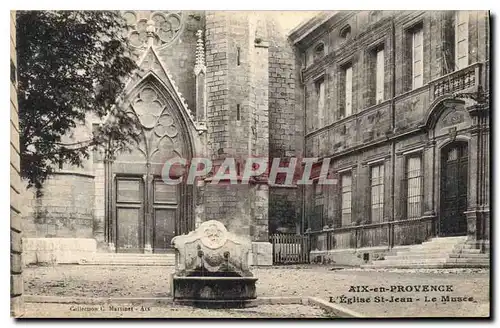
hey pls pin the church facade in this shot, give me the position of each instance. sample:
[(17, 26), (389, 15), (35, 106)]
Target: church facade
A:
[(210, 85), (396, 101)]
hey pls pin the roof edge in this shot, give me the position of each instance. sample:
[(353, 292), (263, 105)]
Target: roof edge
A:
[(304, 29)]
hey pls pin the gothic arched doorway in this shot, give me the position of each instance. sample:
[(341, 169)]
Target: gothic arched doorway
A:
[(146, 213), (454, 186)]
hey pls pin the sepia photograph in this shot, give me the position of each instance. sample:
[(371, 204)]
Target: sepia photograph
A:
[(250, 164)]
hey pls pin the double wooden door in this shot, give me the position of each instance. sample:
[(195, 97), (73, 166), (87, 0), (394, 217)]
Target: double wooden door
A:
[(145, 213)]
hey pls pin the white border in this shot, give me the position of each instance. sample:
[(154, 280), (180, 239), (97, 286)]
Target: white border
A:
[(199, 5)]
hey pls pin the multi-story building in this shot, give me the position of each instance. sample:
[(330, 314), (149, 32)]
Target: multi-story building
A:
[(398, 102)]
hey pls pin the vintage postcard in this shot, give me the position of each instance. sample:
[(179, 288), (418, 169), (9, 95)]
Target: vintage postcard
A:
[(250, 164)]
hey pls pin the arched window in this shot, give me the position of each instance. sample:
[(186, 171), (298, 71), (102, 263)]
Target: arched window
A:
[(375, 16), (345, 33), (319, 51)]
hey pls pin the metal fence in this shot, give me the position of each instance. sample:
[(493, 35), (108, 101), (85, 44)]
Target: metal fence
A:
[(290, 248)]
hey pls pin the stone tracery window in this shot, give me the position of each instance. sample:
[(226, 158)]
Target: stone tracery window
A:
[(163, 26)]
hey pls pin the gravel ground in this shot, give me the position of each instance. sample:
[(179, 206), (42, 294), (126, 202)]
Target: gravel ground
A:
[(38, 310), (318, 281)]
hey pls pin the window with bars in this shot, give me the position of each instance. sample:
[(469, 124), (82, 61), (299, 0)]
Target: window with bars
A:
[(377, 193), (461, 39), (345, 198), (414, 187)]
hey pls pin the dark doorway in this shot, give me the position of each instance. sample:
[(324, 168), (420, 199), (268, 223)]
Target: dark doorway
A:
[(454, 181)]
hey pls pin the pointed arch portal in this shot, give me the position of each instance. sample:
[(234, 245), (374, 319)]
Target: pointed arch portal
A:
[(144, 213)]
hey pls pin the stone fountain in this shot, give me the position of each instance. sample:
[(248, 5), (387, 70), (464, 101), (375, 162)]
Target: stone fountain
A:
[(212, 266)]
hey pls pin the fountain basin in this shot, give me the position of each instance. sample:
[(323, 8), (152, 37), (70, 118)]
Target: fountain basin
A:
[(207, 288)]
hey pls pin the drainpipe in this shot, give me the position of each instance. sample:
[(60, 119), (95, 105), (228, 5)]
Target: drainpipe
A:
[(303, 187), (393, 125)]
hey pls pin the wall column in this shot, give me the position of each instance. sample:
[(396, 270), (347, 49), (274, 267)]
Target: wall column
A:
[(478, 212)]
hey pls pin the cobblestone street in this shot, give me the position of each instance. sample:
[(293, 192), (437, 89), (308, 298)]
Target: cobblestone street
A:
[(322, 282)]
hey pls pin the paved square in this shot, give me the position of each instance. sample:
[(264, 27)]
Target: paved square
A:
[(318, 281)]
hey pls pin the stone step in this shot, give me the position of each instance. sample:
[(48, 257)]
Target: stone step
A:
[(128, 262), (468, 251), (430, 266), (446, 239), (422, 255), (409, 262), (470, 255), (468, 260), (126, 256), (423, 251), (437, 246), (409, 256), (436, 243), (130, 259), (422, 263)]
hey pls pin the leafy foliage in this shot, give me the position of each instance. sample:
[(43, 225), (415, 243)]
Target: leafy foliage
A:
[(71, 64)]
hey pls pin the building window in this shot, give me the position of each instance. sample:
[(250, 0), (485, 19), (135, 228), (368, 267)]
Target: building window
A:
[(375, 16), (376, 75), (461, 39), (238, 112), (414, 187), (238, 54), (377, 193), (317, 217), (346, 92), (320, 96), (319, 51), (417, 56), (379, 76), (345, 33), (345, 198)]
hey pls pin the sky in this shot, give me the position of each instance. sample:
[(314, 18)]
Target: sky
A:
[(291, 19)]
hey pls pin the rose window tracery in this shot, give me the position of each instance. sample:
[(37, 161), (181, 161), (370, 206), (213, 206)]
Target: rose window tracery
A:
[(150, 111), (164, 27)]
